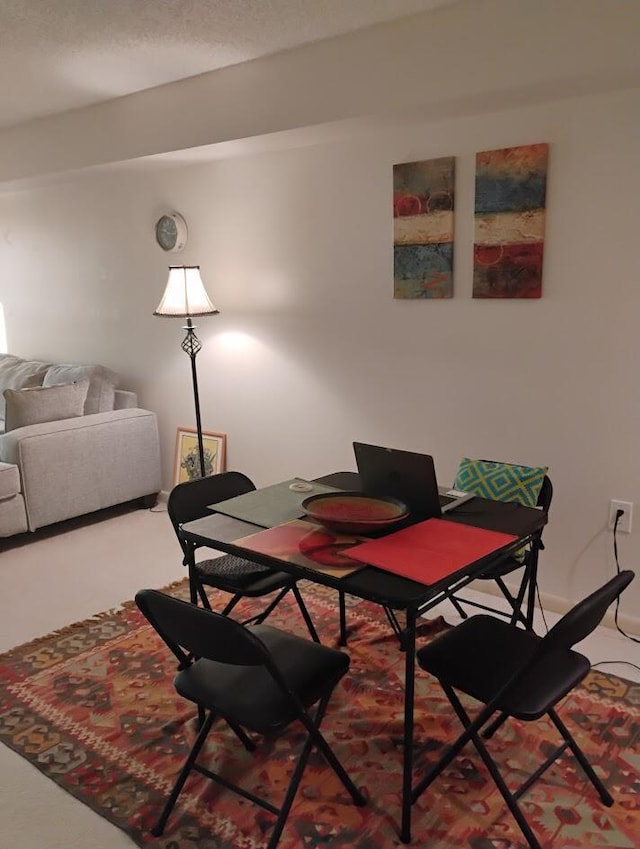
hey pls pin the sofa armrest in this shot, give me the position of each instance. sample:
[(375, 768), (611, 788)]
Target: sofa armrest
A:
[(124, 400), (75, 466)]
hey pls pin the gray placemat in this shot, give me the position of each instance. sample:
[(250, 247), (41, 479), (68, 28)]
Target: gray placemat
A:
[(271, 505)]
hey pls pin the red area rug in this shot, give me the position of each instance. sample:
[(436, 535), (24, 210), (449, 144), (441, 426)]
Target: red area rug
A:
[(93, 708)]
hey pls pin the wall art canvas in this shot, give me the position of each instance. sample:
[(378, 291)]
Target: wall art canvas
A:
[(423, 194), (509, 222), (187, 459)]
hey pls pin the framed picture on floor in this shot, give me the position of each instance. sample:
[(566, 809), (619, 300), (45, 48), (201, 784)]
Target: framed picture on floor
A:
[(187, 461)]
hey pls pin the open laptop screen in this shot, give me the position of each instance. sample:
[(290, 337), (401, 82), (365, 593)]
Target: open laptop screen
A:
[(406, 475)]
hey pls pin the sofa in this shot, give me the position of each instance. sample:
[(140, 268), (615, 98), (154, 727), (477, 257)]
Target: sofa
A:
[(71, 443)]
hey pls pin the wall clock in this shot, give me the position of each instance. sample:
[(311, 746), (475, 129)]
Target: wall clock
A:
[(171, 232)]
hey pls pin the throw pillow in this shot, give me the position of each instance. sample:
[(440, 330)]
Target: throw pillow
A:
[(44, 404), (34, 381), (102, 384), (15, 372), (501, 481)]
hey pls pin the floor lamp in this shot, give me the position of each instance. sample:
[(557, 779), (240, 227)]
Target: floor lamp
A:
[(184, 297)]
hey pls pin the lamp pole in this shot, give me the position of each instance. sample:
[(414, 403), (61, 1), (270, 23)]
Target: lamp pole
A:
[(191, 345), (184, 297)]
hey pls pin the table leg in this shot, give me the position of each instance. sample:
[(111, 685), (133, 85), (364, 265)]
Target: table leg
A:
[(409, 694)]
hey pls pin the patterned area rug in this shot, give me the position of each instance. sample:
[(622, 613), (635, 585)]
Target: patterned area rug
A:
[(93, 708)]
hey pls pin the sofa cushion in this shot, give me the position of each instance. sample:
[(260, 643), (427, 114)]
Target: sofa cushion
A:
[(9, 481), (125, 400), (34, 381), (102, 384), (15, 372), (44, 404)]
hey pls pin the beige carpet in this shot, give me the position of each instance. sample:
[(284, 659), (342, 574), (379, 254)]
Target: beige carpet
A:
[(49, 580), (55, 577)]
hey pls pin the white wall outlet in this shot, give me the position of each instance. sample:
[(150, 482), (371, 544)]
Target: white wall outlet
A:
[(624, 525)]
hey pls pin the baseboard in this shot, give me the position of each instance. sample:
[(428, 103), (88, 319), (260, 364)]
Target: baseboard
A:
[(630, 624)]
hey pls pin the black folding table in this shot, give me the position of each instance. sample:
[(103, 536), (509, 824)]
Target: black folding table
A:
[(221, 532)]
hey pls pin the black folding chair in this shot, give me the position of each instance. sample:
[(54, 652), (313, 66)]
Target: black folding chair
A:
[(527, 560), (256, 678), (191, 500), (515, 673)]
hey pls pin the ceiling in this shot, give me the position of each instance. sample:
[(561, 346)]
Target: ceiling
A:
[(67, 54)]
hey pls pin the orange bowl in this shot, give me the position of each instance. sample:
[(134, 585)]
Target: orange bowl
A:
[(354, 512)]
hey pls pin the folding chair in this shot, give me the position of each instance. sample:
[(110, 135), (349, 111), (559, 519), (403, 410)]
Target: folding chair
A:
[(507, 482), (191, 500), (256, 678), (515, 673)]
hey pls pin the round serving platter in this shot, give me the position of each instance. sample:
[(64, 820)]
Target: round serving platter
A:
[(354, 512)]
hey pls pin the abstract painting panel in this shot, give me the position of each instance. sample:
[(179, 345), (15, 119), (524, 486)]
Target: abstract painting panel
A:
[(423, 195), (509, 222)]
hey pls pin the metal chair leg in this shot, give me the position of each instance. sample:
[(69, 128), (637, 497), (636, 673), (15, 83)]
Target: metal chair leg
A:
[(314, 739), (499, 781), (343, 618), (515, 603), (472, 729), (182, 777), (604, 794), (395, 625), (258, 620), (459, 610), (305, 614), (230, 605), (491, 729)]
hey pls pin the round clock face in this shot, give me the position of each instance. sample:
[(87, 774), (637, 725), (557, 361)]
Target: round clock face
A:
[(171, 232)]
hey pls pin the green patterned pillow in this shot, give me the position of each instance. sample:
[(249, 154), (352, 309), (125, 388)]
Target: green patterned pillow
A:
[(501, 481)]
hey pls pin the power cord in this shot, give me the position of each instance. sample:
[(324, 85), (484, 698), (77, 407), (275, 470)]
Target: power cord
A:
[(619, 515), (615, 663), (544, 618)]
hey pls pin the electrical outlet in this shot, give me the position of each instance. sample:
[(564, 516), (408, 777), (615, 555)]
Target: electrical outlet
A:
[(624, 525)]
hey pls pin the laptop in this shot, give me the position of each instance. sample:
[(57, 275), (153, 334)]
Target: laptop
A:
[(406, 475)]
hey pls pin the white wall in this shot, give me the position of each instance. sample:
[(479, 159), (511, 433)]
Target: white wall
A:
[(296, 251)]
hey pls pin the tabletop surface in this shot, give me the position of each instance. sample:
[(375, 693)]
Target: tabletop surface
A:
[(221, 532)]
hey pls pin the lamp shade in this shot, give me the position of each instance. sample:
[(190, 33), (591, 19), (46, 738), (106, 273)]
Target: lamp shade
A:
[(185, 294)]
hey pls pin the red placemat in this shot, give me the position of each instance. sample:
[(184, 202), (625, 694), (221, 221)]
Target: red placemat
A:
[(429, 551)]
